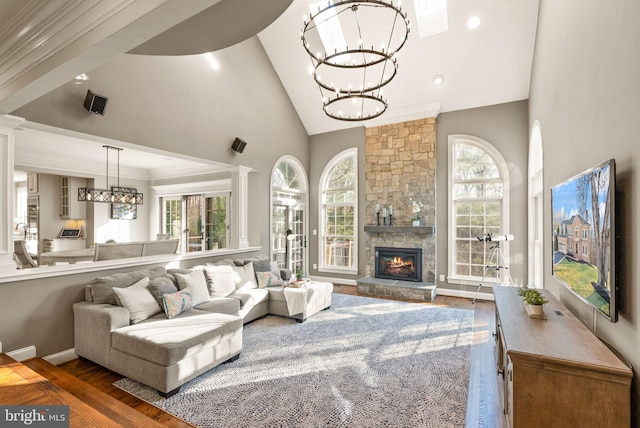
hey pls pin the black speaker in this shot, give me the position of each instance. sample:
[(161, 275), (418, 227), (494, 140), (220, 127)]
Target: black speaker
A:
[(95, 103), (238, 145)]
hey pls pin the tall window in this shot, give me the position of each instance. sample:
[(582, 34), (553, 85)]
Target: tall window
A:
[(289, 214), (536, 208), (478, 195), (338, 214)]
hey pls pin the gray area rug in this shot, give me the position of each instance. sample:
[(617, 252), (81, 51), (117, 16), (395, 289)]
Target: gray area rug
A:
[(364, 362)]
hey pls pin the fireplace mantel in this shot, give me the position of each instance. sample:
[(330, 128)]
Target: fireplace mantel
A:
[(428, 230)]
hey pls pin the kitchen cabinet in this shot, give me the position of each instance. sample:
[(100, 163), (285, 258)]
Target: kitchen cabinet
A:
[(70, 207)]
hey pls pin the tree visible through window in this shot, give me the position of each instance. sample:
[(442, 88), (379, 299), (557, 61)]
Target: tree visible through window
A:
[(477, 195), (338, 212)]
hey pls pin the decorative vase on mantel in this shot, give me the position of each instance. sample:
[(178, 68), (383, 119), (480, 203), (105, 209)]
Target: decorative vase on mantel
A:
[(416, 222)]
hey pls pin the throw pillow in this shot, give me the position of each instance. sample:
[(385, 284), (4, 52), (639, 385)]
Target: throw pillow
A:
[(196, 283), (176, 303), (246, 277), (166, 284), (221, 280), (138, 300), (268, 279), (102, 287), (262, 266)]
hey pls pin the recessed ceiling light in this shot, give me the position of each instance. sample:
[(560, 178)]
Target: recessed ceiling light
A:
[(438, 79), (473, 22), (81, 78)]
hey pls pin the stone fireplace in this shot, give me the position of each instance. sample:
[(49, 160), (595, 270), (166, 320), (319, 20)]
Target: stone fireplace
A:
[(400, 167)]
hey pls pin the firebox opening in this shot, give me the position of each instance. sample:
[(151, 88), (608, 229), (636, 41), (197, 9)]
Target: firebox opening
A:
[(403, 264)]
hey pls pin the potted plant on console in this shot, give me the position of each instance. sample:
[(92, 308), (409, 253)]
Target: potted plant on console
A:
[(534, 301)]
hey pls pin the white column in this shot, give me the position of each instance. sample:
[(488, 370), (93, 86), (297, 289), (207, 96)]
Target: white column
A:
[(240, 207), (7, 125)]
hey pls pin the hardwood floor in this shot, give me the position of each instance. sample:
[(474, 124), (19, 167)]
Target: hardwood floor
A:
[(483, 402)]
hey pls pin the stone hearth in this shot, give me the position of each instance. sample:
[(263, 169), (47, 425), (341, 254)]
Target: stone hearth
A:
[(399, 289)]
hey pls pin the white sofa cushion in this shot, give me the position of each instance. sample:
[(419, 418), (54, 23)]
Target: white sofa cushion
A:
[(221, 280), (196, 283), (246, 277), (138, 300)]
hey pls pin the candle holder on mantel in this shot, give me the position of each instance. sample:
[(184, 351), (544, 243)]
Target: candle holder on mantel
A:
[(377, 219), (390, 219), (384, 221)]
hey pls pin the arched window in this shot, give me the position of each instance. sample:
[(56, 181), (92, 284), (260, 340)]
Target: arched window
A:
[(338, 214), (289, 214), (536, 208), (478, 204)]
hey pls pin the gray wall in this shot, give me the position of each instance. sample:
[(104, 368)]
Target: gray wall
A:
[(182, 105), (505, 127), (585, 92), (323, 147)]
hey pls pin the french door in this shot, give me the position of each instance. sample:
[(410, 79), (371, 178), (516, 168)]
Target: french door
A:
[(200, 220), (289, 241)]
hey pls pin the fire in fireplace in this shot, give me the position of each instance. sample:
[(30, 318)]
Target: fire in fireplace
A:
[(403, 264)]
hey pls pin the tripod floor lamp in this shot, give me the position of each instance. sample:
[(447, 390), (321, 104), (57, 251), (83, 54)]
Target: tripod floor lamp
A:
[(496, 260)]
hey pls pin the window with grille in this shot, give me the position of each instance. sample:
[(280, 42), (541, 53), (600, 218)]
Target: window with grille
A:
[(478, 203), (338, 213)]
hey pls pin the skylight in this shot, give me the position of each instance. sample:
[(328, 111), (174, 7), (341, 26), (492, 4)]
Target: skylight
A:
[(431, 16), (330, 31)]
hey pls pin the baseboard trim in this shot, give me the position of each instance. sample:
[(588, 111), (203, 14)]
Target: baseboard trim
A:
[(61, 357), (23, 353), (466, 294)]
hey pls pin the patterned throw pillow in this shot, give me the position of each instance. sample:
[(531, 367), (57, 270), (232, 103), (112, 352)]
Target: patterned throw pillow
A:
[(176, 303), (268, 279)]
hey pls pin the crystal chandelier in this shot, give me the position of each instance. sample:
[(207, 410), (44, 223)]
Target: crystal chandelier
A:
[(117, 195), (353, 46)]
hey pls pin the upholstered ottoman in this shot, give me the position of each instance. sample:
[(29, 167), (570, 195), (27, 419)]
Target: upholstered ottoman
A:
[(165, 353), (300, 303)]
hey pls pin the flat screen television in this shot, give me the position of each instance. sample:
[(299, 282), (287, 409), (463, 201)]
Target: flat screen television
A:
[(583, 219)]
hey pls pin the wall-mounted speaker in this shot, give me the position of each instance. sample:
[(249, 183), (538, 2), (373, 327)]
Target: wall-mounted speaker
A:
[(238, 145), (95, 103)]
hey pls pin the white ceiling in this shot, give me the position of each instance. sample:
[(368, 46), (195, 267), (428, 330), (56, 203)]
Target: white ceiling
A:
[(485, 66)]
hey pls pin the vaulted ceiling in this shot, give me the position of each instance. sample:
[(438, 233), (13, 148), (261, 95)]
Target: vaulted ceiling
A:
[(46, 43)]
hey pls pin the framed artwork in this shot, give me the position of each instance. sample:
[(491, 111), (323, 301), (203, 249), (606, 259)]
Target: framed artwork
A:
[(124, 211)]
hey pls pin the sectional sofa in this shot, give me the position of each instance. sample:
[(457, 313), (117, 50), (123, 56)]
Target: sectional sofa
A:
[(165, 327)]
